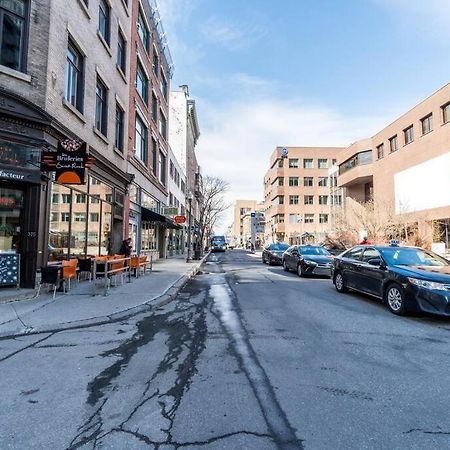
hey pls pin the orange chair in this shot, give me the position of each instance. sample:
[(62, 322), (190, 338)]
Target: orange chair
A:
[(134, 264), (69, 272), (143, 263), (118, 267)]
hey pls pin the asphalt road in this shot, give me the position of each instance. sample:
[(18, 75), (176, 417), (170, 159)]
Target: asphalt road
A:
[(247, 357)]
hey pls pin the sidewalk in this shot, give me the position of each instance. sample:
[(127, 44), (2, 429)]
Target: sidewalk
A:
[(80, 308)]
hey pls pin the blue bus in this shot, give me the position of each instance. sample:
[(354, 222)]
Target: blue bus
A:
[(218, 244)]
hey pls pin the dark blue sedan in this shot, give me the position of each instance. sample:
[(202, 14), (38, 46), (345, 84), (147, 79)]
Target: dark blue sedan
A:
[(406, 279)]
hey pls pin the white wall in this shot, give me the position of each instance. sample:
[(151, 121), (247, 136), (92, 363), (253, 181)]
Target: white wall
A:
[(424, 186), (178, 126)]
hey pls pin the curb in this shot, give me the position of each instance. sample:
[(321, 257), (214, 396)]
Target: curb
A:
[(166, 297)]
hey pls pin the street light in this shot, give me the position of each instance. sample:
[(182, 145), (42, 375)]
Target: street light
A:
[(189, 197)]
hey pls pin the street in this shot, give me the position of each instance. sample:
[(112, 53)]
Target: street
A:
[(246, 357)]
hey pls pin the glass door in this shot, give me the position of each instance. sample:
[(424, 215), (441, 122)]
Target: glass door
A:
[(11, 206)]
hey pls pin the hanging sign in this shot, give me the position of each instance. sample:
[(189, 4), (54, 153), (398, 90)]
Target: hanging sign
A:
[(69, 162), (180, 219)]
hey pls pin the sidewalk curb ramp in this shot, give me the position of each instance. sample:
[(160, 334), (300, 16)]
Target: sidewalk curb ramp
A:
[(161, 300)]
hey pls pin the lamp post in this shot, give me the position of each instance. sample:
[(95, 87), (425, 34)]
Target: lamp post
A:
[(189, 250)]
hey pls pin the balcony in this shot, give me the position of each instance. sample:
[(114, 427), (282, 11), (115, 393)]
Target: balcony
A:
[(356, 170), (279, 227), (277, 209), (276, 172), (276, 191)]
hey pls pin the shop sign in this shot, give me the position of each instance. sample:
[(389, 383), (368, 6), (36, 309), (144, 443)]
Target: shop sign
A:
[(69, 162), (9, 269), (170, 211), (12, 175), (180, 219)]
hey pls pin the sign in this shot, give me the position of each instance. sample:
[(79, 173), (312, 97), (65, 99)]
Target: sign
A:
[(252, 214), (180, 219), (9, 269), (170, 211), (69, 161)]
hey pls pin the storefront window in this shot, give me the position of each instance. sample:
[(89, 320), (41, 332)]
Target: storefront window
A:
[(148, 236), (59, 222), (106, 228), (11, 205), (149, 202), (135, 194), (18, 155)]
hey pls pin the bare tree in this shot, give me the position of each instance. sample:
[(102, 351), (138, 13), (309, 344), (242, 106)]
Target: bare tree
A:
[(212, 190)]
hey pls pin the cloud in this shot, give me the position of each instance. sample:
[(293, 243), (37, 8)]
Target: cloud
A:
[(232, 35), (238, 137)]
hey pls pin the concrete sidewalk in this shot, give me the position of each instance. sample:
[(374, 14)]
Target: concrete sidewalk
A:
[(80, 308)]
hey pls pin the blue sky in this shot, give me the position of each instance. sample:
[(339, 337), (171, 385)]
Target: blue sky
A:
[(300, 72)]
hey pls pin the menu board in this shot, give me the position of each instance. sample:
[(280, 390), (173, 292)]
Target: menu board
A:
[(9, 269)]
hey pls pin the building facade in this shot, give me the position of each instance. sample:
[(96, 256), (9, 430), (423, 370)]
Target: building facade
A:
[(240, 210), (297, 201), (406, 167), (59, 83)]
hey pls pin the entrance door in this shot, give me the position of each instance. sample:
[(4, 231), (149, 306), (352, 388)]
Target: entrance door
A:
[(11, 207)]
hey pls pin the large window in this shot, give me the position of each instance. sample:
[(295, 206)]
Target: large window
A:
[(101, 107), (360, 159), (74, 77), (142, 83), (13, 25), (163, 85), (120, 125), (154, 107), (140, 144), (143, 31), (427, 124), (408, 134), (162, 168), (104, 20), (154, 156), (121, 52)]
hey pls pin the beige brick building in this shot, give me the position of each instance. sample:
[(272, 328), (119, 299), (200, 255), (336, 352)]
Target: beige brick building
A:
[(406, 167), (297, 198), (240, 210)]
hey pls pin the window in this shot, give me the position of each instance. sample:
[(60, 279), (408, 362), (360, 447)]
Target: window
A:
[(154, 107), (120, 114), (309, 199), (80, 217), (333, 162), (101, 113), (74, 77), (323, 163), (142, 83), (154, 156), (80, 198), (380, 151), (162, 124), (279, 218), (104, 20), (393, 145), (293, 181), (121, 52), (309, 218), (323, 181), (93, 217), (446, 113), (281, 163), (323, 218), (95, 199), (427, 124), (66, 198), (293, 199), (371, 254), (140, 141), (162, 168), (143, 32), (293, 218), (408, 134), (155, 63), (163, 85), (55, 198), (108, 197), (54, 217), (308, 181), (337, 200), (280, 181), (323, 199), (65, 217), (13, 24), (280, 200), (293, 163), (308, 164), (354, 253)]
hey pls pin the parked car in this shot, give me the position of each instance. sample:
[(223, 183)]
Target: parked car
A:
[(273, 253), (404, 278), (308, 260)]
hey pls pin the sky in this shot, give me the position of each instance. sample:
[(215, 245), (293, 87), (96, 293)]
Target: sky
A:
[(266, 73)]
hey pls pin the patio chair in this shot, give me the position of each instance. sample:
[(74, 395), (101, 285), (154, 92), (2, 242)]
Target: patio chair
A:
[(69, 272), (85, 267), (118, 268), (49, 276)]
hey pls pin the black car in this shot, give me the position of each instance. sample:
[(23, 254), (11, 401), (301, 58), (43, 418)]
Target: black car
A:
[(308, 260), (405, 278), (273, 253)]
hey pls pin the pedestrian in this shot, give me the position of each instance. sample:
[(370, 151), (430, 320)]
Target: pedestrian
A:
[(365, 241), (126, 248)]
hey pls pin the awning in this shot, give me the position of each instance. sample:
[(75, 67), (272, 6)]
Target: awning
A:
[(148, 215)]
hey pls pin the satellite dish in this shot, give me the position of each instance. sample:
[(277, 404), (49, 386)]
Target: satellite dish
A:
[(284, 152)]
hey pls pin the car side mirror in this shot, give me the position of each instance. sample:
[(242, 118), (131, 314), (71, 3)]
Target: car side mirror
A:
[(375, 262)]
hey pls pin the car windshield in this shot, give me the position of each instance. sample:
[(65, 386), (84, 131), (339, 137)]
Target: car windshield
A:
[(313, 251), (412, 257), (218, 240), (278, 247)]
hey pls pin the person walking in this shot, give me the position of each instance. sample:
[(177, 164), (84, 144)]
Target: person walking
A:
[(126, 248)]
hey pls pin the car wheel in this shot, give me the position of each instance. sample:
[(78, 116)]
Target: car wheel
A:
[(339, 283), (395, 300), (285, 267), (300, 271)]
